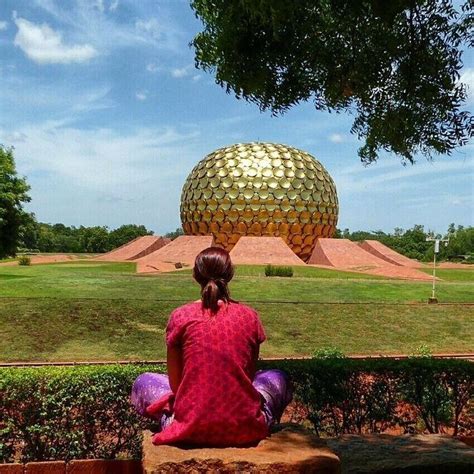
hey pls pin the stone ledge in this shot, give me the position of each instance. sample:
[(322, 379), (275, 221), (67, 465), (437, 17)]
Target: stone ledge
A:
[(76, 466), (408, 454), (290, 450), (12, 468)]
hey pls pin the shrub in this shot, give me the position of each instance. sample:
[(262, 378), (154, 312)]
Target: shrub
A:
[(66, 413), (24, 260), (369, 396), (270, 271), (328, 352), (85, 412)]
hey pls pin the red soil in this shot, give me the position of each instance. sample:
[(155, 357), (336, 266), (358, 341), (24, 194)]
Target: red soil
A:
[(183, 250), (263, 251), (346, 255), (386, 253), (136, 248)]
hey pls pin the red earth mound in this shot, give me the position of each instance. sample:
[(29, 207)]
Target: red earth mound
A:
[(136, 248), (263, 251), (183, 250), (346, 255)]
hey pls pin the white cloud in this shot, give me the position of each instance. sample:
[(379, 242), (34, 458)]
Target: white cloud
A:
[(467, 78), (141, 95), (100, 157), (113, 5), (3, 25), (104, 176), (45, 46), (178, 73), (149, 27), (336, 138), (197, 77), (390, 176), (91, 25), (152, 67)]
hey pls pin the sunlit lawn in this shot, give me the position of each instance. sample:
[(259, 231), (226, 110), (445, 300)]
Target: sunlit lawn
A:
[(101, 311)]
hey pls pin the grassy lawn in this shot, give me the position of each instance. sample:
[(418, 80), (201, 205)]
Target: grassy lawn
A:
[(118, 280), (452, 274), (101, 311), (43, 329)]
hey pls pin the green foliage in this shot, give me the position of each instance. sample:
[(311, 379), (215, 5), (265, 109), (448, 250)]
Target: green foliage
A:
[(370, 396), (172, 235), (422, 351), (24, 260), (85, 412), (278, 271), (125, 234), (61, 238), (67, 413), (328, 352), (13, 194), (395, 65), (412, 242)]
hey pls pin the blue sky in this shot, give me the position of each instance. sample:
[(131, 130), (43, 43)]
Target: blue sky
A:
[(108, 116)]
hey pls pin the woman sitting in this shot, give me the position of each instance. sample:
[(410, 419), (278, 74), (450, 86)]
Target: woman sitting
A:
[(213, 395)]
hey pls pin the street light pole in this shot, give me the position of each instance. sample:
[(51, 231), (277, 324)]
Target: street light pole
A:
[(433, 298)]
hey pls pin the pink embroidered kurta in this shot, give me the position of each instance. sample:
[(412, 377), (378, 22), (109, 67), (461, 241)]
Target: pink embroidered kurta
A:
[(216, 403)]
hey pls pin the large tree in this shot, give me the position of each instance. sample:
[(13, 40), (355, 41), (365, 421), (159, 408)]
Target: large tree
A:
[(125, 234), (393, 64), (13, 193)]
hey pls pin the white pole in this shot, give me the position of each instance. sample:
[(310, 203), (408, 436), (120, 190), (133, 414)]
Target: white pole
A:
[(434, 275)]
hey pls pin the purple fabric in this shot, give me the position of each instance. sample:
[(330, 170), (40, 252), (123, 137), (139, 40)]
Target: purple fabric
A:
[(274, 387)]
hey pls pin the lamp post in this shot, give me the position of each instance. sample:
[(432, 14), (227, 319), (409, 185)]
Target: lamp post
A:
[(433, 298)]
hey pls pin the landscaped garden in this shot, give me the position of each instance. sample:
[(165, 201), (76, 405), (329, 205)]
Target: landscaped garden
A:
[(88, 311)]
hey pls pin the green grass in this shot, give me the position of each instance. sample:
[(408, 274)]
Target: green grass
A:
[(118, 280), (104, 311), (75, 330), (452, 274), (306, 272)]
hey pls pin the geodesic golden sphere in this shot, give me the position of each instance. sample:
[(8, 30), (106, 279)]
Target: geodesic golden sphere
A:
[(260, 189)]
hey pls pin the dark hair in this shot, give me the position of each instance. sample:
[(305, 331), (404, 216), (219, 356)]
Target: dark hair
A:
[(213, 270)]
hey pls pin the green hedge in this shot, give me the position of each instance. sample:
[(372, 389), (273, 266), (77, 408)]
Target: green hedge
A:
[(421, 394), (271, 271), (69, 412), (84, 412)]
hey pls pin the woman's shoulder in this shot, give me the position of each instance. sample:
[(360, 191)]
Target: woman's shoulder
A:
[(242, 308), (187, 309)]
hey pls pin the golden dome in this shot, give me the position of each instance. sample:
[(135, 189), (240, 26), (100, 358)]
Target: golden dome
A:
[(260, 189)]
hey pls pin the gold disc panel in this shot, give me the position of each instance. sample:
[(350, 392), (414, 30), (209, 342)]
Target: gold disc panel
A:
[(260, 189)]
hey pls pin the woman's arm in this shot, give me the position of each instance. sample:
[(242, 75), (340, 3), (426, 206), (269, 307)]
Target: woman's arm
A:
[(174, 361)]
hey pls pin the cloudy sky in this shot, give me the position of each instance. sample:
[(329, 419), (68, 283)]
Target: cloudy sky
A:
[(108, 116)]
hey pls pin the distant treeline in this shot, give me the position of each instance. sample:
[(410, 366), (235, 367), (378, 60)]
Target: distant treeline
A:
[(38, 236), (41, 237), (412, 242)]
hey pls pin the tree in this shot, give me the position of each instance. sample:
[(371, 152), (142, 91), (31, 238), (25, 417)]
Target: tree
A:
[(94, 239), (29, 233), (13, 194), (395, 64), (125, 234), (176, 233)]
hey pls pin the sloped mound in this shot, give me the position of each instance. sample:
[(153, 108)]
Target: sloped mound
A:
[(263, 251), (347, 255), (134, 249), (389, 255), (342, 253), (183, 250)]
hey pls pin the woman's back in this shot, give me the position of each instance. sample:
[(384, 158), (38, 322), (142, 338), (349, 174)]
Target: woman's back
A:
[(212, 395), (216, 403)]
